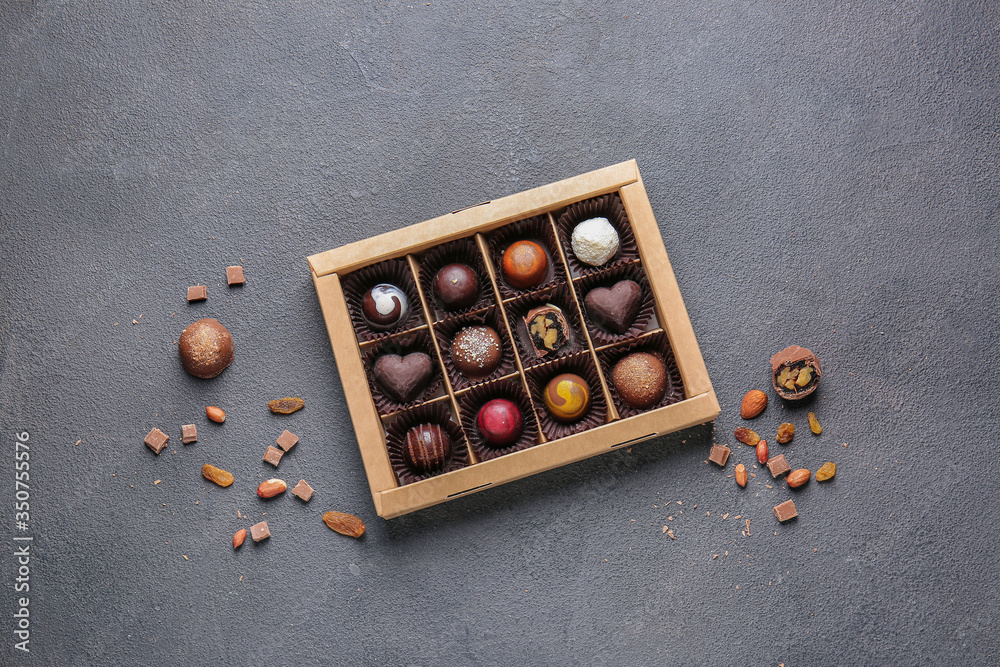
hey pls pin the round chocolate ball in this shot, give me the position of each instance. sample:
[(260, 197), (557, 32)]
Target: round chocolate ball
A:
[(640, 379), (500, 422), (595, 241), (567, 397), (385, 306), (476, 351), (206, 348), (457, 286), (525, 264), (426, 448)]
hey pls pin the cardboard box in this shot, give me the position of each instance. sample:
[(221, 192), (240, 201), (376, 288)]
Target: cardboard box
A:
[(330, 268)]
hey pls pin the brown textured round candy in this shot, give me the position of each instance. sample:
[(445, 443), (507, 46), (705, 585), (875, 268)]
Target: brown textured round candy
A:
[(457, 286), (476, 351), (525, 264), (640, 379), (567, 397), (385, 306), (206, 348), (426, 448)]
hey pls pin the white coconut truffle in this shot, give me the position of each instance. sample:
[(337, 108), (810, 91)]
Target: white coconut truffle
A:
[(595, 241)]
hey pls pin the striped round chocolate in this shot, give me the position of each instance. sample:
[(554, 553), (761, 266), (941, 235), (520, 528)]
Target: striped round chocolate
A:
[(426, 448)]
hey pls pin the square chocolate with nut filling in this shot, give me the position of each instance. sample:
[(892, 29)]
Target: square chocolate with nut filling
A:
[(719, 455), (189, 433)]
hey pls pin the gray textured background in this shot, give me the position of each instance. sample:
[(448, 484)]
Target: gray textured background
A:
[(824, 173)]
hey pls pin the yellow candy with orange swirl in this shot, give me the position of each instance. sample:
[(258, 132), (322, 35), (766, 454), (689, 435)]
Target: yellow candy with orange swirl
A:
[(567, 397)]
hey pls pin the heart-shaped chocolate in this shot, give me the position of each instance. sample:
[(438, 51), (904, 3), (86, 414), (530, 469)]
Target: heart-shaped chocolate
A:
[(614, 308), (403, 378)]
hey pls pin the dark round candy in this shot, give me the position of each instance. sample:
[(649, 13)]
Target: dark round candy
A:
[(567, 397), (206, 348), (476, 351), (385, 306), (457, 286), (640, 379), (525, 264), (500, 423), (426, 448)]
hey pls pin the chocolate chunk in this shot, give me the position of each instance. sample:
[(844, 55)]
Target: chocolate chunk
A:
[(189, 433), (287, 440), (547, 328), (157, 440), (457, 286), (719, 455), (273, 455), (259, 531), (476, 352), (303, 490), (403, 378), (785, 511), (234, 275), (197, 293), (795, 372), (614, 308), (778, 465)]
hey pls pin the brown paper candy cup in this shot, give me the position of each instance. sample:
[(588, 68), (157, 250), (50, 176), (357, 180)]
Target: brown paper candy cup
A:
[(598, 333), (606, 206), (583, 365), (394, 272), (404, 344), (474, 399), (535, 229), (462, 251), (657, 344), (558, 295), (425, 414), (445, 331)]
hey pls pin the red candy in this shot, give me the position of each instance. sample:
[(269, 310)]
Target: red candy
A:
[(500, 422)]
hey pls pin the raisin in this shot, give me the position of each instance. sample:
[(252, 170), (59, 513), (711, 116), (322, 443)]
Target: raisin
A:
[(814, 424), (345, 524), (746, 436), (286, 406), (785, 433), (826, 471), (217, 475)]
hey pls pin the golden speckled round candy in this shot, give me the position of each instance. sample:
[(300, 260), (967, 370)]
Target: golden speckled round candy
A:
[(567, 397)]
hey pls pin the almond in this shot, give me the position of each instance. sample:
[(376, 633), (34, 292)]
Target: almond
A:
[(741, 475), (797, 478), (753, 404), (215, 414), (762, 451), (270, 488), (238, 538)]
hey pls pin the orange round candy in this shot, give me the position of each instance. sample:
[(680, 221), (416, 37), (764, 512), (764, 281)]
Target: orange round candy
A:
[(567, 397), (525, 264)]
